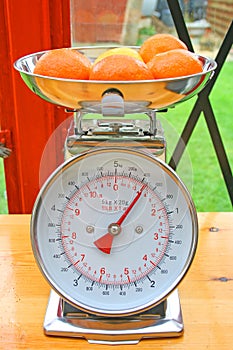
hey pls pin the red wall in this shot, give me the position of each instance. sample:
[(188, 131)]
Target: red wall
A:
[(27, 27)]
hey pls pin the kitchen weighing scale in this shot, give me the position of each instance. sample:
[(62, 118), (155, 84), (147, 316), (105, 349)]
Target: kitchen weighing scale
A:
[(114, 229)]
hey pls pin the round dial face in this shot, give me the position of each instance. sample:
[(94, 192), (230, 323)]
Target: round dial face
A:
[(114, 231)]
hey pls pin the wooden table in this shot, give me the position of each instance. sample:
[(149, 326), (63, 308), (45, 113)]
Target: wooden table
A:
[(206, 293)]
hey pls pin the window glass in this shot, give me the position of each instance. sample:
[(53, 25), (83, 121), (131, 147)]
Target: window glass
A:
[(130, 22)]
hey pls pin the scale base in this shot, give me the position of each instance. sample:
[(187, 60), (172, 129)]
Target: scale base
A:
[(164, 320)]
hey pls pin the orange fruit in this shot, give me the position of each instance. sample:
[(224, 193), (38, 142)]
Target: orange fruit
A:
[(174, 63), (63, 63), (159, 43), (120, 67)]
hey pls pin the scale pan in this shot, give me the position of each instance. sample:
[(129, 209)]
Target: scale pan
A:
[(140, 95)]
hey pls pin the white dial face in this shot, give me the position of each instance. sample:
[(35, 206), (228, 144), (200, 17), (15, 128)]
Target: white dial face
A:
[(114, 231)]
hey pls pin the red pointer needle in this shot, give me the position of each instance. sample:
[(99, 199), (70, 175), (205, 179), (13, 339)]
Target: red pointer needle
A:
[(104, 243)]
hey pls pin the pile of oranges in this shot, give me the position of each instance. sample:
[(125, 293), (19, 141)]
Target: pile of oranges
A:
[(159, 57)]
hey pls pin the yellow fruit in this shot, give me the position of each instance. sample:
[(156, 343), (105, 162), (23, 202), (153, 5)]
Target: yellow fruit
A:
[(119, 51)]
